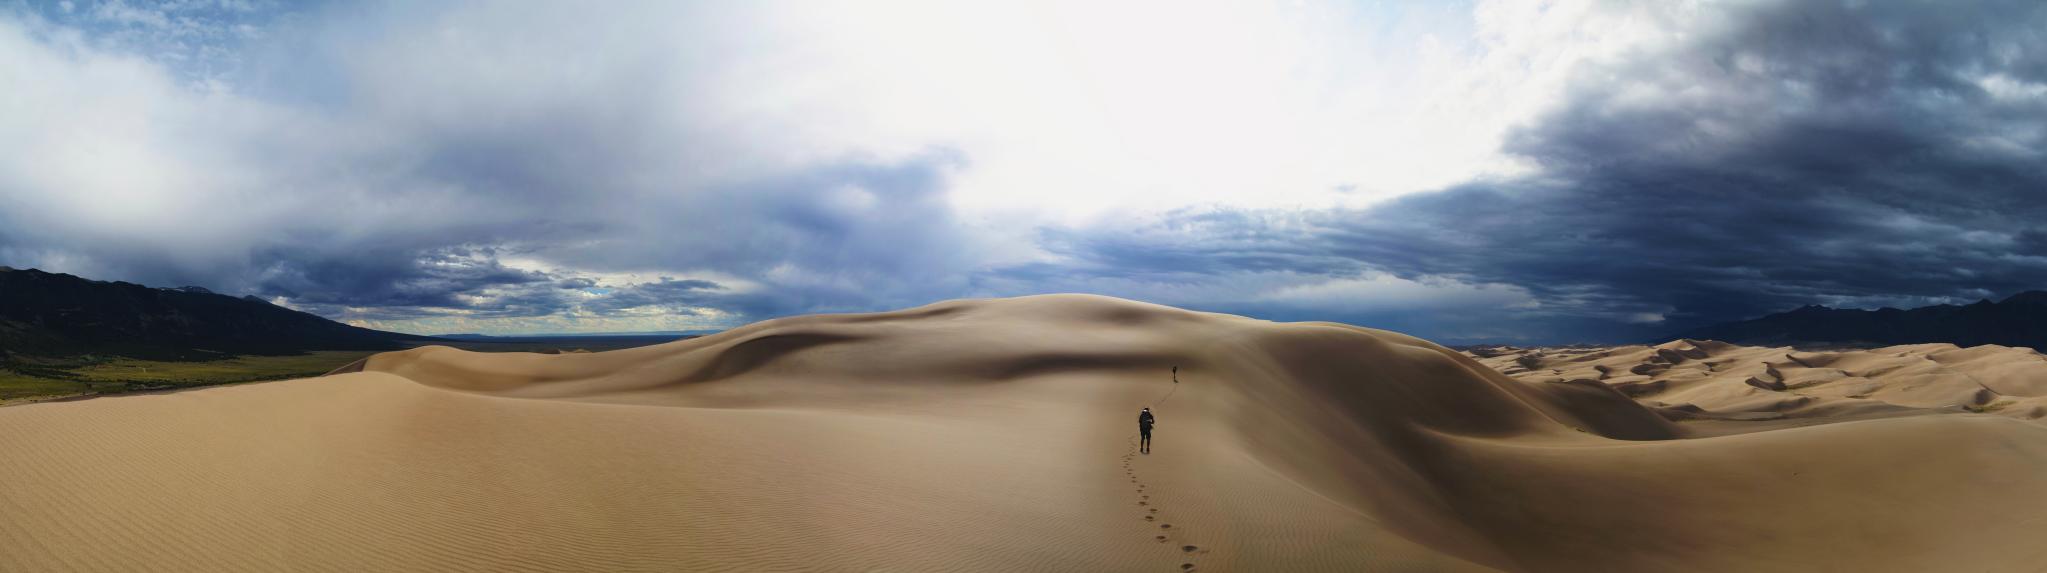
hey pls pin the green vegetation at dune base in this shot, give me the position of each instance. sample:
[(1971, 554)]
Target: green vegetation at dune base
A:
[(1990, 407), (39, 379), (16, 386)]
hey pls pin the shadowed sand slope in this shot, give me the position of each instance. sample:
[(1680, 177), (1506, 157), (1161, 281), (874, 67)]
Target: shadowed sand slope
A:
[(994, 435)]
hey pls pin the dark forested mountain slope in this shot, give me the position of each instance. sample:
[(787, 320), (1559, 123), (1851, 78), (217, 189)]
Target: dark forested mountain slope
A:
[(50, 314)]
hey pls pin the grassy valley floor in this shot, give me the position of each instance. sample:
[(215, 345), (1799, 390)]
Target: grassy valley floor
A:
[(37, 379)]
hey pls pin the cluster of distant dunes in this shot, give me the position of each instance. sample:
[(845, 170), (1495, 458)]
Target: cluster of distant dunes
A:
[(1711, 379)]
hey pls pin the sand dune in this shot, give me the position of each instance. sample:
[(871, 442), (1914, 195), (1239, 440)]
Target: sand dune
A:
[(1716, 380), (998, 435)]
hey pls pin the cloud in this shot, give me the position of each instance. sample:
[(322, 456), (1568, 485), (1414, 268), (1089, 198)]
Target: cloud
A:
[(454, 141), (391, 282), (1796, 151), (668, 295), (1782, 154), (1525, 171)]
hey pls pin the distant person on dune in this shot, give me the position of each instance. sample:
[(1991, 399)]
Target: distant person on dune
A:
[(1144, 421)]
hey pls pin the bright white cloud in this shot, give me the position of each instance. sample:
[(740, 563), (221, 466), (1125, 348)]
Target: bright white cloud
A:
[(1079, 108), (1064, 108)]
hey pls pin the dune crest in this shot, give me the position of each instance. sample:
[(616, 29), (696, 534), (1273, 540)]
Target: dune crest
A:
[(997, 434)]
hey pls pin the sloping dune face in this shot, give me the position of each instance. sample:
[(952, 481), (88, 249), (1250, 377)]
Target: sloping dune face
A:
[(994, 435)]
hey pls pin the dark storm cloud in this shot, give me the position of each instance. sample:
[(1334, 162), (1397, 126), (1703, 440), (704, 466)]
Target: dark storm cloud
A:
[(668, 295), (1807, 152), (406, 283), (1811, 152), (838, 237)]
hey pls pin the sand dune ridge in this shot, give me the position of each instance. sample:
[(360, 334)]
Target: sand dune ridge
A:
[(996, 435)]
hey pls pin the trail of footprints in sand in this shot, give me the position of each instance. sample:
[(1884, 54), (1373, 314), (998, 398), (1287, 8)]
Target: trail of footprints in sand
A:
[(1151, 511)]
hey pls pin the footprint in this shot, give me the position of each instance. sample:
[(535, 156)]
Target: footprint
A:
[(1165, 526), (1150, 517), (1188, 548), (1143, 503), (1145, 496), (1153, 510), (1162, 539), (1186, 566)]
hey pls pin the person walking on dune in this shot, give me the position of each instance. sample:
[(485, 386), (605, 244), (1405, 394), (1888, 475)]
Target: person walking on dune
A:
[(1144, 422)]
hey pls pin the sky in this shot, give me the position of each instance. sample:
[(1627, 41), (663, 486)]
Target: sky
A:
[(1518, 171)]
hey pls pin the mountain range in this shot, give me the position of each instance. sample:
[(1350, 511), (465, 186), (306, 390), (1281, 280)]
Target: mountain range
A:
[(2020, 320), (53, 314)]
